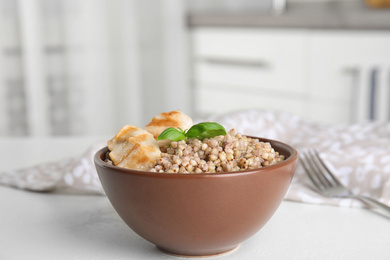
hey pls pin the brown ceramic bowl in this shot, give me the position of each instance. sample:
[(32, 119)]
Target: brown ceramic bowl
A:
[(197, 214)]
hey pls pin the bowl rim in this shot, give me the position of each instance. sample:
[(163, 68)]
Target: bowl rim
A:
[(294, 156)]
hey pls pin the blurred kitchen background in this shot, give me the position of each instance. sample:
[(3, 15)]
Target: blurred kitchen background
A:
[(87, 67)]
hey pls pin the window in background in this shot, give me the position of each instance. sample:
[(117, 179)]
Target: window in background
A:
[(13, 114), (86, 67), (54, 68)]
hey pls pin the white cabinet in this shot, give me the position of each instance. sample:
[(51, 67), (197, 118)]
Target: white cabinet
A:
[(348, 76), (245, 68), (324, 76)]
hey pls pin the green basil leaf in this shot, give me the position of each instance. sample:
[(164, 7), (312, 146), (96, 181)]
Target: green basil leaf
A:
[(173, 134), (205, 130)]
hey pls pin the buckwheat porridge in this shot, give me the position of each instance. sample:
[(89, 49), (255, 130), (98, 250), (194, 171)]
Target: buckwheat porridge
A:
[(232, 152)]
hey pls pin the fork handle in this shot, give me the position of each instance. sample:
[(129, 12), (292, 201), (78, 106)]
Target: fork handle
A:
[(372, 202)]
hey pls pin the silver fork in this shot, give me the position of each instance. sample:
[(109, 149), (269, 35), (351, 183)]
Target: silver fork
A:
[(327, 184)]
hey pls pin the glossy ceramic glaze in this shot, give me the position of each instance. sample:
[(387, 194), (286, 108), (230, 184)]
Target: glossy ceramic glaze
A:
[(197, 214)]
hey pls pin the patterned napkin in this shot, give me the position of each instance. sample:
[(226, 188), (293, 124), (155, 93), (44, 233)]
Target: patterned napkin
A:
[(359, 155), (74, 175)]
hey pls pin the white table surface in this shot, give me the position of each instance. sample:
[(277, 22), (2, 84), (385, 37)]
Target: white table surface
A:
[(63, 226)]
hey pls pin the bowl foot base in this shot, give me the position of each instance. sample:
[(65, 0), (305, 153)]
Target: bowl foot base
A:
[(193, 256)]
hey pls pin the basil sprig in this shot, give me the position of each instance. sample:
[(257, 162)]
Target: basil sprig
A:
[(171, 133), (199, 131)]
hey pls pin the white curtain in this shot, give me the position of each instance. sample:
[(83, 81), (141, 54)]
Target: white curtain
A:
[(89, 66)]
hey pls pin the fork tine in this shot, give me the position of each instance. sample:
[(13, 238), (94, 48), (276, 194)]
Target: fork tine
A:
[(311, 170), (328, 172), (320, 170)]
